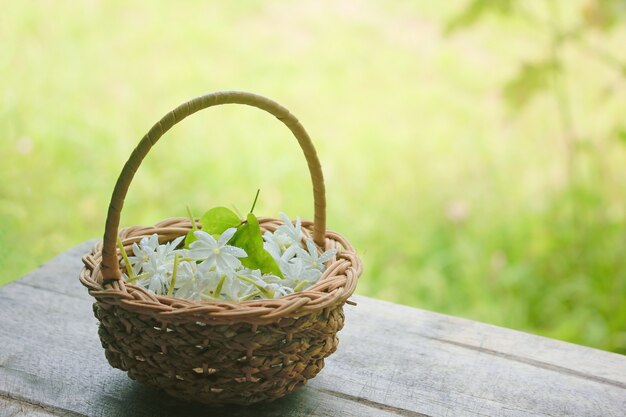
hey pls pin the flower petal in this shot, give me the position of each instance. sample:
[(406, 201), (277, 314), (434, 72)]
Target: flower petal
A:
[(285, 218), (234, 251), (204, 237), (311, 247), (200, 253), (174, 243), (226, 236), (327, 255), (231, 261)]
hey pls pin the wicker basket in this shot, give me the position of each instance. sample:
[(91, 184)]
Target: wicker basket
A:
[(218, 352)]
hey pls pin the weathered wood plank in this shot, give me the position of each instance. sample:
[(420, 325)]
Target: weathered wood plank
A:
[(15, 408), (392, 360), (489, 339), (445, 376)]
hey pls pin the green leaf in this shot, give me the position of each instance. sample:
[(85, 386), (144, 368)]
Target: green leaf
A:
[(218, 219), (248, 237)]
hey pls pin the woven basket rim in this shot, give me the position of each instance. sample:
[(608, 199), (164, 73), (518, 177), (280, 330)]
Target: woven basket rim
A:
[(334, 287)]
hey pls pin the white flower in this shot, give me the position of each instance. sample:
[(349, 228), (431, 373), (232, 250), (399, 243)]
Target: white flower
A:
[(280, 246), (252, 275), (279, 290), (312, 259), (194, 286), (143, 252), (216, 253), (191, 290), (158, 273), (296, 271), (251, 281), (276, 286), (276, 244), (185, 272), (155, 262), (234, 289), (157, 283), (283, 238), (293, 232), (169, 248)]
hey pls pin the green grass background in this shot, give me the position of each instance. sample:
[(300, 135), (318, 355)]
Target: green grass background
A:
[(455, 203)]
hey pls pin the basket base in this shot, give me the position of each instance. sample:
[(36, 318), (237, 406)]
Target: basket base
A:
[(238, 363)]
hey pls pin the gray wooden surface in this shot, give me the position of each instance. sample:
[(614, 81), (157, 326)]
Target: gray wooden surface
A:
[(392, 361)]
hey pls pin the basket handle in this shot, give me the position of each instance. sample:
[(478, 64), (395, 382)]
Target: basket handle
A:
[(110, 268)]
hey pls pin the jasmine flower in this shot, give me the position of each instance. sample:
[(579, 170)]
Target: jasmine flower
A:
[(297, 270), (293, 232), (216, 253), (142, 252), (312, 259), (197, 284), (158, 273), (276, 244)]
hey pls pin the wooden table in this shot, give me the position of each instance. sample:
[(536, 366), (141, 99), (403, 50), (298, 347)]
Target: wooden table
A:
[(391, 361)]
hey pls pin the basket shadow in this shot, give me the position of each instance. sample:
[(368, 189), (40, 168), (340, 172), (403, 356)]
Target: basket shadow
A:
[(144, 400)]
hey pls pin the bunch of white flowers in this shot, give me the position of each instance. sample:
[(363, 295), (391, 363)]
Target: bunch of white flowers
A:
[(210, 269)]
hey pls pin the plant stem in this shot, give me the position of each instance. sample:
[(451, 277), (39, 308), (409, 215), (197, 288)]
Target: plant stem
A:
[(191, 218), (218, 289), (170, 290), (185, 259), (129, 267), (266, 293), (249, 296), (136, 277), (255, 198)]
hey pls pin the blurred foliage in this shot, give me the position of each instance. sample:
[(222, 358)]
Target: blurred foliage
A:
[(586, 246), (478, 9), (603, 15), (473, 156), (535, 77)]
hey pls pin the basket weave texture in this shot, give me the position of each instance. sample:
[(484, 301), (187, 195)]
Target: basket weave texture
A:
[(212, 351)]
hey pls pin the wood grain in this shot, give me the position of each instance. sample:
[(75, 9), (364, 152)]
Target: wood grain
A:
[(16, 408), (392, 361)]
